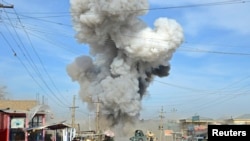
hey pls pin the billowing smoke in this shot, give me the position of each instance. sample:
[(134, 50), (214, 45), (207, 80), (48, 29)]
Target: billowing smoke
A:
[(125, 55)]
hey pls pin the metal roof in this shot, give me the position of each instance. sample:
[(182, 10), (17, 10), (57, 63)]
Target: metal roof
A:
[(18, 104), (54, 126)]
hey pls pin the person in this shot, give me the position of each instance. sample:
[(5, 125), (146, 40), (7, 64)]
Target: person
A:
[(52, 138)]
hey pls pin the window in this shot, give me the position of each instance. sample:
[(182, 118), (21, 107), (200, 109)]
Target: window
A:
[(36, 121), (16, 129)]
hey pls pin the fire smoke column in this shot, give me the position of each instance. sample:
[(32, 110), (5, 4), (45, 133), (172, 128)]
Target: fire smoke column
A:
[(125, 54)]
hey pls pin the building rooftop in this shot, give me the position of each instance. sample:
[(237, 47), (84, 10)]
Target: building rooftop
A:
[(245, 116), (25, 105)]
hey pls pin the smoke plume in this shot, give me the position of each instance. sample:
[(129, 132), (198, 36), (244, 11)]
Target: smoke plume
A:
[(125, 55)]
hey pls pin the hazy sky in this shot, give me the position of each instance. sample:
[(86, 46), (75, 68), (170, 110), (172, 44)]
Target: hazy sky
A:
[(209, 75)]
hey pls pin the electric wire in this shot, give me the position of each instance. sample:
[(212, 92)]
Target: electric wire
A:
[(199, 50), (216, 3), (207, 51), (30, 60), (42, 64), (22, 63)]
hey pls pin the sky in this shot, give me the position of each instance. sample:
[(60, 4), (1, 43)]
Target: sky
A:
[(209, 74)]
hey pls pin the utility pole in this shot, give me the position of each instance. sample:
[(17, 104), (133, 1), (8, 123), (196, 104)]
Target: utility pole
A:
[(38, 98), (97, 119), (173, 122), (89, 123), (97, 115), (174, 116), (161, 123), (6, 6), (73, 112), (43, 100)]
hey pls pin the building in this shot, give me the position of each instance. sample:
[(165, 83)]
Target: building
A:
[(18, 115), (195, 126), (240, 120)]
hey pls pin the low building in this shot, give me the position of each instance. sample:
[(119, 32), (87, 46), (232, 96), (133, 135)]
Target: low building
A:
[(195, 125), (18, 115), (240, 120)]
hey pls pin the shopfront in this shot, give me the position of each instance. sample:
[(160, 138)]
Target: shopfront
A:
[(13, 126)]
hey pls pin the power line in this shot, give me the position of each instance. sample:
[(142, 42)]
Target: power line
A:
[(216, 3), (23, 64), (215, 52), (26, 68), (46, 38), (48, 21), (202, 4), (181, 49), (220, 52), (12, 49), (40, 60), (30, 60)]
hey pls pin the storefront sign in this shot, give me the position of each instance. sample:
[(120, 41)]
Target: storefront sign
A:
[(17, 123)]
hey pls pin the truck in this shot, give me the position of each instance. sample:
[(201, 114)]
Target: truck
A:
[(140, 136)]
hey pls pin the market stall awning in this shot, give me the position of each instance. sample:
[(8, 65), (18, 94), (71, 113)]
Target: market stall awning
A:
[(58, 126)]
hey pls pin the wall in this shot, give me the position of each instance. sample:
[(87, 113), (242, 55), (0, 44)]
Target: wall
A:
[(4, 127)]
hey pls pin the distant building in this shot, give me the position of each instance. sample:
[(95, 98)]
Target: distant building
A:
[(18, 115), (240, 120), (195, 125)]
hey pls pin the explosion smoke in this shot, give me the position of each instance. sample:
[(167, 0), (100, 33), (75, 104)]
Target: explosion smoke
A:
[(125, 54)]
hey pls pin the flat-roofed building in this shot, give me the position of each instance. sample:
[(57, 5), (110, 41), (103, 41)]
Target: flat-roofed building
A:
[(240, 120), (18, 115)]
